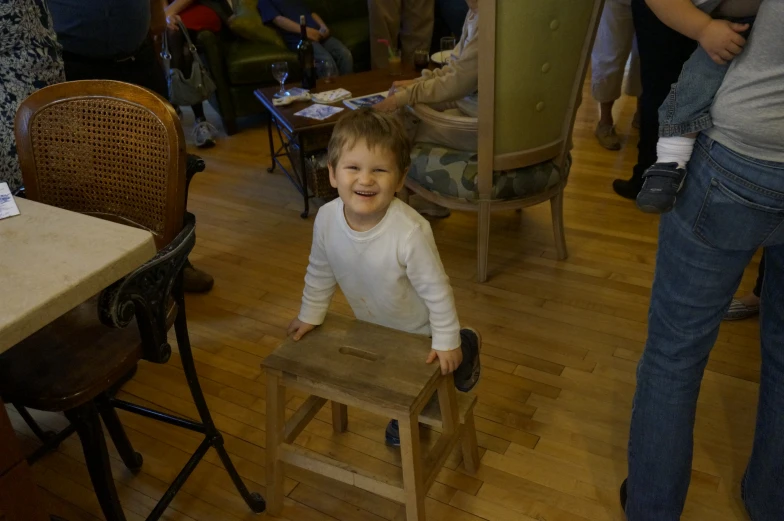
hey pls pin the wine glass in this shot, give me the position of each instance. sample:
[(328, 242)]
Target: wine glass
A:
[(280, 71), (326, 70)]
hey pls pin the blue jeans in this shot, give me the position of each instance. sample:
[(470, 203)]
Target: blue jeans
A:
[(730, 206), (333, 50), (687, 108)]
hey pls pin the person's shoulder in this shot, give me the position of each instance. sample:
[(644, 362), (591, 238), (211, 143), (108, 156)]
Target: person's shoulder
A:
[(407, 219)]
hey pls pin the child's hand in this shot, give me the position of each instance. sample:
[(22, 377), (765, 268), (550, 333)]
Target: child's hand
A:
[(449, 360), (300, 328), (721, 40)]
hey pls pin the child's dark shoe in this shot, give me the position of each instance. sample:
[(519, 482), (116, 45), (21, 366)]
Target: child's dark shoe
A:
[(660, 186), (467, 374), (392, 434)]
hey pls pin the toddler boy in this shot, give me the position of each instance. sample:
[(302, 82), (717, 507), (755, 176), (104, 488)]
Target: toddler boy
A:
[(686, 111), (381, 252)]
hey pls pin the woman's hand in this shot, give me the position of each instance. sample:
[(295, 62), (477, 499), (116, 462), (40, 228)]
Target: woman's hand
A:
[(402, 84), (388, 105), (173, 21)]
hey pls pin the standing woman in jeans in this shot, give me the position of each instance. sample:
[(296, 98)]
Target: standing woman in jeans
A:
[(732, 203), (195, 15)]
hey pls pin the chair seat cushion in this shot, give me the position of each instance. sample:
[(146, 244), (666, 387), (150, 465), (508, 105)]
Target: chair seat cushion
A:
[(249, 61), (69, 362), (453, 173)]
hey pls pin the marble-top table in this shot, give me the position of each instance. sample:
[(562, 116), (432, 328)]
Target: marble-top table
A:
[(52, 260)]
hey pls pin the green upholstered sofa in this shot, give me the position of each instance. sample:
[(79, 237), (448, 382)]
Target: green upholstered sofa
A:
[(241, 64)]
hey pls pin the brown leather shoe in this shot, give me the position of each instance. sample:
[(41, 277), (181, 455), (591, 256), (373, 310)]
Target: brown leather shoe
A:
[(196, 281)]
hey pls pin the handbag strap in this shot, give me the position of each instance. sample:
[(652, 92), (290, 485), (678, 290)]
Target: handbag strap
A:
[(191, 47)]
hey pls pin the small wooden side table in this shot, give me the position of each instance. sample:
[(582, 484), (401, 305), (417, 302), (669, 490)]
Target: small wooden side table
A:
[(376, 369)]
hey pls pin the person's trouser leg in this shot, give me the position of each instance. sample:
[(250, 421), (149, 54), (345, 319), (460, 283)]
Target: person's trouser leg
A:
[(416, 29), (763, 486), (340, 55), (384, 18), (611, 51), (663, 52), (704, 246)]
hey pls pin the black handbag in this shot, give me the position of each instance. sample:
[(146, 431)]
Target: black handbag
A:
[(193, 89)]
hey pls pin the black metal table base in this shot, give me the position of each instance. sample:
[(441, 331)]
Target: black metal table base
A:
[(300, 181)]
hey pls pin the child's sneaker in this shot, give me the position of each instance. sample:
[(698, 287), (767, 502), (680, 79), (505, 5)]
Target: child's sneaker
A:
[(392, 434), (660, 186), (467, 374)]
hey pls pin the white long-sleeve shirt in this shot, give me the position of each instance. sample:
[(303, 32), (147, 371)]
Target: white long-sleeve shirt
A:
[(391, 275)]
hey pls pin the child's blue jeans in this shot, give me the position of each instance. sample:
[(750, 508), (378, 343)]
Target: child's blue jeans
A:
[(687, 108)]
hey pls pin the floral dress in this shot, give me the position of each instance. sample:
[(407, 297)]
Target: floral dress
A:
[(29, 60)]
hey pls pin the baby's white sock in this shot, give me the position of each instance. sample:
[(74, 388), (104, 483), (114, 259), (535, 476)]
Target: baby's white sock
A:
[(676, 149)]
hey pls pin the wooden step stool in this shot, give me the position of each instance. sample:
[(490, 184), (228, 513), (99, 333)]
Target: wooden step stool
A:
[(379, 370)]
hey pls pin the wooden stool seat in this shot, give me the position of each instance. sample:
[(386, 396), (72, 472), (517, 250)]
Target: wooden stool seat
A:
[(69, 362), (376, 369)]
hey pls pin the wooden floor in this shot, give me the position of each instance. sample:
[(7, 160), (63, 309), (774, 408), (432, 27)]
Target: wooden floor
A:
[(561, 344)]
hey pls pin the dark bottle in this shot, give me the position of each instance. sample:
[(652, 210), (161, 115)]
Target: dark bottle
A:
[(307, 61)]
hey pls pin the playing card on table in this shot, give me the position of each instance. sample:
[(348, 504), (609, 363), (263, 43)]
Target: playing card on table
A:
[(319, 112)]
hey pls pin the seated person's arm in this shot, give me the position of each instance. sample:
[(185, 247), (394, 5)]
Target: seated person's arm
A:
[(426, 273), (452, 82), (324, 32), (719, 38), (289, 25)]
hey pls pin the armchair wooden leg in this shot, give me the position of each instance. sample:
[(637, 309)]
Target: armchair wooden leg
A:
[(483, 241), (88, 426), (556, 209)]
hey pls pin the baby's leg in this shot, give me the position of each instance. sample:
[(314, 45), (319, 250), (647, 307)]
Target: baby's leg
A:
[(683, 115)]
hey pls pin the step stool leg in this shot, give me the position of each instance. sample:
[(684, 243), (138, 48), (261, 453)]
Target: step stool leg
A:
[(276, 424), (470, 449), (413, 473), (339, 417)]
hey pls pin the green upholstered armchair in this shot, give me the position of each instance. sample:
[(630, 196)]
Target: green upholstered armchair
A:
[(534, 56), (239, 60)]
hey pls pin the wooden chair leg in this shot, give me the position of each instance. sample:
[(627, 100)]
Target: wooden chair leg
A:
[(483, 241), (339, 417), (469, 443), (276, 423), (413, 472), (132, 459), (556, 209), (96, 455)]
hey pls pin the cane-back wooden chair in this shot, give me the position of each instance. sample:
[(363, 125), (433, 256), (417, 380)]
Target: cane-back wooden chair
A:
[(114, 151)]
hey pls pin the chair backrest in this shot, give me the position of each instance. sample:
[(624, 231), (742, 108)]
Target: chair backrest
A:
[(107, 149), (534, 56)]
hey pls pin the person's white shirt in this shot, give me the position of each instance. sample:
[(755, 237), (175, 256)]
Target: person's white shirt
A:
[(391, 275)]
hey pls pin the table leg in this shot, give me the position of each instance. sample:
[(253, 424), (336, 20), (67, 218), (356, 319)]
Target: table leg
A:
[(413, 473), (271, 143), (304, 177), (276, 425)]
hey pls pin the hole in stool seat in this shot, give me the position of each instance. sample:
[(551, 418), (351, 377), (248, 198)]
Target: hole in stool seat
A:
[(353, 351)]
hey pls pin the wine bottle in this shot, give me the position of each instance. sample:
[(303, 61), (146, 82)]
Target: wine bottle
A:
[(307, 62)]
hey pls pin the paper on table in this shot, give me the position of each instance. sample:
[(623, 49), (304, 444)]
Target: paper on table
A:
[(8, 206), (331, 96), (319, 112)]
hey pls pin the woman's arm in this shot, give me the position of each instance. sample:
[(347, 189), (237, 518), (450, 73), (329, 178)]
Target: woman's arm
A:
[(177, 7)]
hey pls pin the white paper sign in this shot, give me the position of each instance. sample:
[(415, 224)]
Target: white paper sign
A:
[(8, 206)]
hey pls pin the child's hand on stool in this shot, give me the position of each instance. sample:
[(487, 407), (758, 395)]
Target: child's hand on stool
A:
[(300, 328), (449, 360)]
